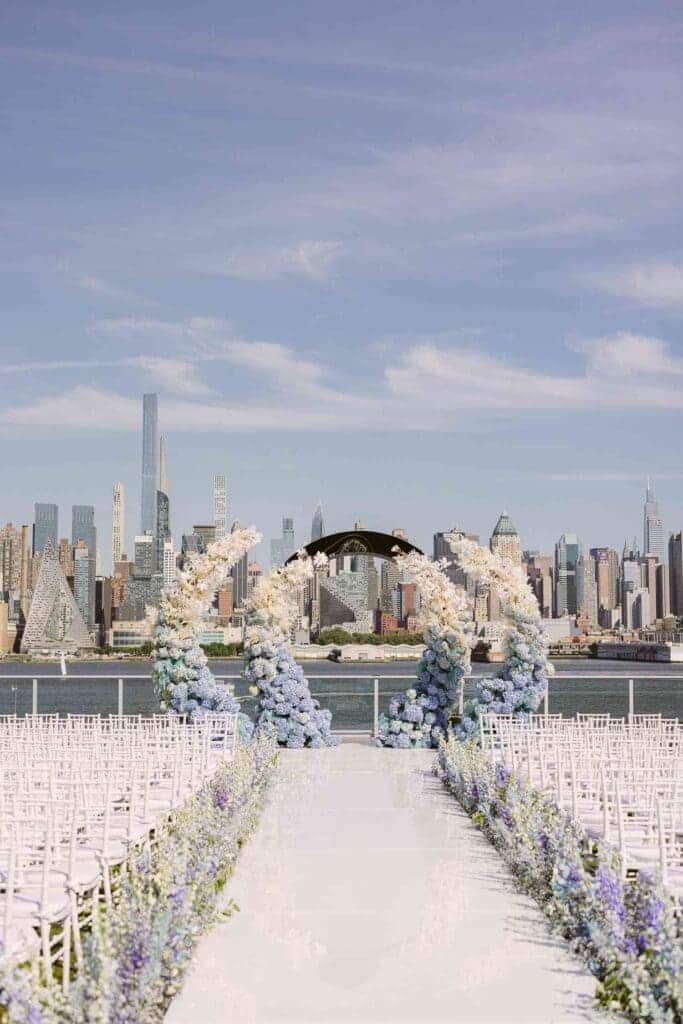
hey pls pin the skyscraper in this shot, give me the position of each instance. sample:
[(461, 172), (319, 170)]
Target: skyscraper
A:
[(653, 527), (55, 619), (220, 505), (150, 463), (118, 519), (505, 539), (45, 525), (606, 571), (163, 466), (568, 575), (240, 576), (318, 524), (676, 572), (162, 529), (283, 547), (83, 529)]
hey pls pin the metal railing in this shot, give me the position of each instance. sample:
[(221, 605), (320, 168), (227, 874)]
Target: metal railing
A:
[(625, 699)]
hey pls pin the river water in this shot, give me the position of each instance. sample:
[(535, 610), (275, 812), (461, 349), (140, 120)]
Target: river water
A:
[(346, 688)]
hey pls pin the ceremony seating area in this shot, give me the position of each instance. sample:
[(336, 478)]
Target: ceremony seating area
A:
[(77, 796), (622, 781)]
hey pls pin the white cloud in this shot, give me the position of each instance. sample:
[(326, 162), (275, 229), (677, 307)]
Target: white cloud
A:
[(308, 259), (659, 284), (440, 385)]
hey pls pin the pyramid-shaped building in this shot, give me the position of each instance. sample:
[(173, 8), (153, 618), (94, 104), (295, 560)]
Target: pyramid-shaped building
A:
[(54, 619)]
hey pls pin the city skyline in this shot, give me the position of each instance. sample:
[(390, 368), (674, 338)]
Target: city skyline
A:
[(302, 533), (413, 235)]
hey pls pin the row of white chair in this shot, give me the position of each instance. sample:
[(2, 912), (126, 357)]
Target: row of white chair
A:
[(623, 781), (77, 795)]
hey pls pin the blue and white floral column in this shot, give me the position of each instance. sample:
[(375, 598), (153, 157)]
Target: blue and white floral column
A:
[(284, 697), (183, 681), (420, 717), (519, 688)]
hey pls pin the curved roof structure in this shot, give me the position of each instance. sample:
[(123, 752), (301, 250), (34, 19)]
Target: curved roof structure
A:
[(356, 542), (505, 527)]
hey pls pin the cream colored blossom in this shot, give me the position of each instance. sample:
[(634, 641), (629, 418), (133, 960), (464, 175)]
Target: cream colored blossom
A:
[(442, 604), (275, 596), (184, 603)]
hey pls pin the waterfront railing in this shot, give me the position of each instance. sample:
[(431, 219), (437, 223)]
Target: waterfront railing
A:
[(356, 700)]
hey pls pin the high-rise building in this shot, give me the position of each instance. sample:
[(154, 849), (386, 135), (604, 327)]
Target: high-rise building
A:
[(283, 547), (220, 505), (45, 525), (10, 560), (240, 577), (568, 575), (164, 484), (162, 531), (204, 535), (539, 569), (676, 572), (150, 463), (145, 555), (66, 557), (169, 566), (118, 520), (653, 527), (55, 619), (505, 539), (318, 523), (606, 571), (83, 529), (663, 604), (82, 574), (588, 604)]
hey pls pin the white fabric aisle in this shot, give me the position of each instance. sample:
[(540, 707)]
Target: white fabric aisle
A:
[(366, 894)]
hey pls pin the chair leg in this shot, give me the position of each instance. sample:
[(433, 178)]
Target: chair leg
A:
[(45, 947), (66, 954), (78, 946)]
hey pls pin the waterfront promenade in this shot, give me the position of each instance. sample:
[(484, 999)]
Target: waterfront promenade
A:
[(366, 894)]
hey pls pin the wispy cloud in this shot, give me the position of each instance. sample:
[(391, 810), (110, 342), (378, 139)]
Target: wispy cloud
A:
[(657, 284), (309, 259), (453, 385)]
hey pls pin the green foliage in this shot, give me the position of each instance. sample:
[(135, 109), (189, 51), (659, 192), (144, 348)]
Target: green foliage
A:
[(337, 635)]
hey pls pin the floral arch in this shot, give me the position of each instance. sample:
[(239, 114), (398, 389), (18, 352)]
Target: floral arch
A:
[(420, 718), (284, 696), (520, 686), (184, 683)]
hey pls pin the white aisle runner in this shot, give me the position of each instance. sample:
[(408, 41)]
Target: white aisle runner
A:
[(366, 894)]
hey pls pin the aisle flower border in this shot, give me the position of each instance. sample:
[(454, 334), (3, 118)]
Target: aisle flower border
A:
[(629, 933), (520, 686), (284, 698), (421, 716), (183, 681), (136, 954)]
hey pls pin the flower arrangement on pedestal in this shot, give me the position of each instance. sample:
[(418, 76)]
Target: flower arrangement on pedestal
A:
[(285, 699), (184, 683), (421, 716), (519, 688)]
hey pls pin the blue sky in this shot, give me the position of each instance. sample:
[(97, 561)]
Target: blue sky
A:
[(420, 261)]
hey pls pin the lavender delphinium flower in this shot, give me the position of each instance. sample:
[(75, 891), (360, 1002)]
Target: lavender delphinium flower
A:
[(628, 932)]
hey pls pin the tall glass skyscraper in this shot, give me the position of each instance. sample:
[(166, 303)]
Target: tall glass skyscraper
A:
[(45, 524), (83, 530), (653, 527), (220, 505), (318, 524), (150, 463), (162, 529), (569, 569), (118, 513)]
